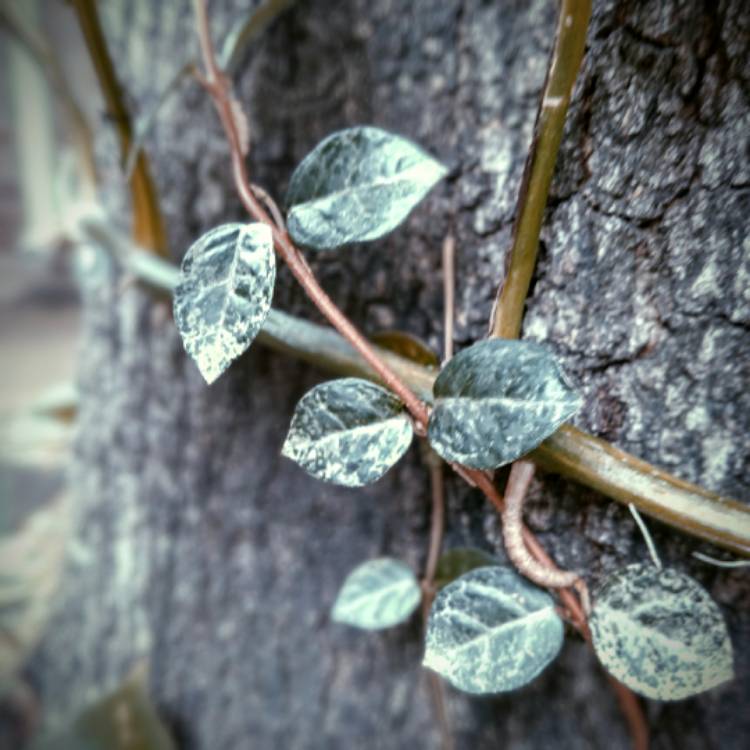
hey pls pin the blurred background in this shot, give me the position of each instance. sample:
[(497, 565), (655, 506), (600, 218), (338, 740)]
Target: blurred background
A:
[(200, 566)]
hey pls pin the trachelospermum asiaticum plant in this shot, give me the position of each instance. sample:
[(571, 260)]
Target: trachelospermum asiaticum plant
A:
[(489, 629)]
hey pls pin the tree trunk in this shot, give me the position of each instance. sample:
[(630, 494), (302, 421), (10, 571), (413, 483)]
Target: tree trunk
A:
[(201, 549)]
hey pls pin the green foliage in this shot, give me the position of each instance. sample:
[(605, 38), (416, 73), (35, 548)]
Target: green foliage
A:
[(348, 431), (496, 401), (660, 633), (224, 294), (377, 594), (491, 631), (357, 185)]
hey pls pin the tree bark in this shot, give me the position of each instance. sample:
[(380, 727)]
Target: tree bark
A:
[(200, 548)]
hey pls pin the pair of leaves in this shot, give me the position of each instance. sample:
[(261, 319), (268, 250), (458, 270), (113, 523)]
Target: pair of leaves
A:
[(384, 592), (355, 186), (660, 633), (495, 401), (489, 630)]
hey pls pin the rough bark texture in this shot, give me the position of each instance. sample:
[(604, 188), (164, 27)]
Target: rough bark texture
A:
[(203, 550)]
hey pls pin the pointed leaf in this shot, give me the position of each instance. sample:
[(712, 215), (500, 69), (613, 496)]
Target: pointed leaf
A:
[(357, 185), (497, 400), (660, 633), (348, 431), (224, 294), (377, 594), (455, 562), (491, 631)]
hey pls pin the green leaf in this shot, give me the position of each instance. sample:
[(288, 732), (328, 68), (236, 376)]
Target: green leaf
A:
[(660, 633), (224, 294), (377, 594), (491, 631), (348, 431), (357, 185), (497, 400), (455, 562)]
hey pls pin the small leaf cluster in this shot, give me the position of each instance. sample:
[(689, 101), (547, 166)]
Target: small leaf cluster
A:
[(489, 630), (356, 185)]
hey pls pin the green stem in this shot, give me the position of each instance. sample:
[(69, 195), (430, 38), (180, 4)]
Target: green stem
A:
[(570, 452), (563, 69), (148, 226)]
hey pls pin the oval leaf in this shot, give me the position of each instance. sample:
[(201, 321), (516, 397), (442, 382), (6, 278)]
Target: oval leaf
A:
[(455, 562), (377, 594), (491, 631), (660, 633), (224, 294), (348, 431), (357, 185), (497, 400)]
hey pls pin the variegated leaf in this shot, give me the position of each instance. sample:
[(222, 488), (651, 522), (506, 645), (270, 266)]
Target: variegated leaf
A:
[(496, 401), (357, 185), (377, 594), (348, 431), (491, 631), (224, 294), (660, 633)]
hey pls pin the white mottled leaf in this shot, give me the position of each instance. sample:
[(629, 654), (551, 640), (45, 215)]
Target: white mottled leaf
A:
[(491, 631), (357, 185), (348, 431), (660, 633), (377, 594), (496, 401), (224, 294)]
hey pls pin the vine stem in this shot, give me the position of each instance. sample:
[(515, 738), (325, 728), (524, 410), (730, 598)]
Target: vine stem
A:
[(508, 309), (148, 227), (218, 86), (521, 474), (437, 528), (565, 60)]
